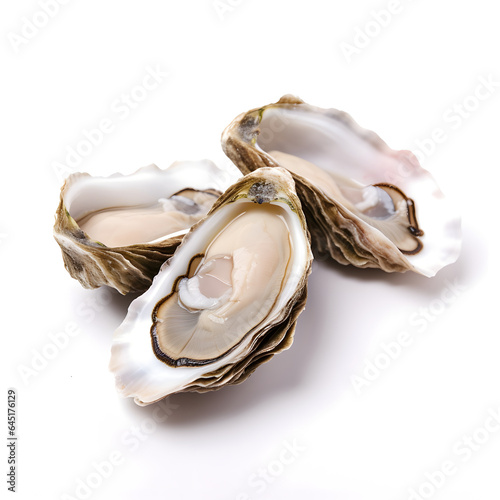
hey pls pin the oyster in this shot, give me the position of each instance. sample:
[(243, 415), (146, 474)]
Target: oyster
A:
[(118, 230), (227, 300), (365, 203)]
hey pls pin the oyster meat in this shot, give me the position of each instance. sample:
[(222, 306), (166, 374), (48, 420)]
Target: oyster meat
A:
[(118, 230), (365, 203), (227, 300)]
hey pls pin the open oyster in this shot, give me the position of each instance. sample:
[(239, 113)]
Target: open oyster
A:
[(365, 203), (227, 300), (119, 230)]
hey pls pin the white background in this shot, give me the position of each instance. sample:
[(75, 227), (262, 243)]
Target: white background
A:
[(376, 443)]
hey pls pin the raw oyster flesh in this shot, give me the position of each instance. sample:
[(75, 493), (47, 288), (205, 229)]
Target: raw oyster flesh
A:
[(227, 300), (365, 203), (118, 230)]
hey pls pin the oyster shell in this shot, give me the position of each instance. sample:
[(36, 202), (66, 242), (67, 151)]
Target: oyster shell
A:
[(365, 203), (227, 300), (118, 230)]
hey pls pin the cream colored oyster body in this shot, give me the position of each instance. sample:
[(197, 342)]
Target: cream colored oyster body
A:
[(365, 203), (227, 300), (118, 230)]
